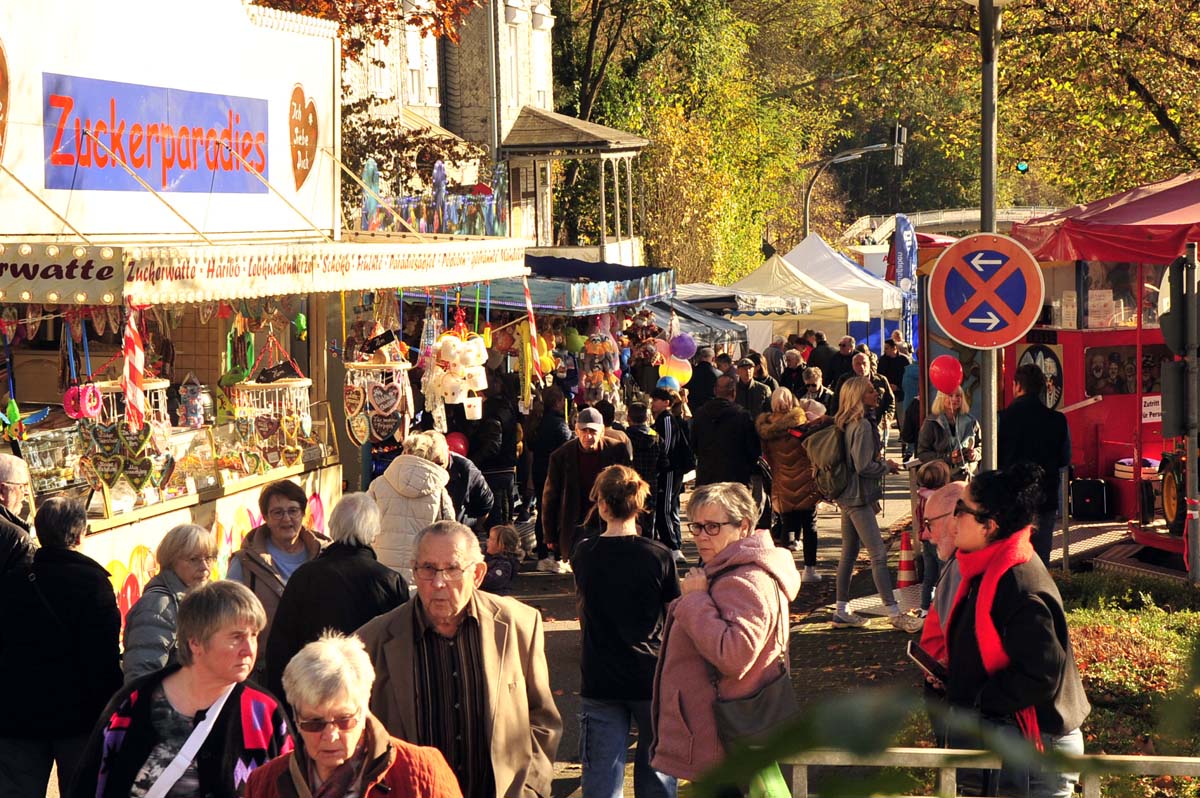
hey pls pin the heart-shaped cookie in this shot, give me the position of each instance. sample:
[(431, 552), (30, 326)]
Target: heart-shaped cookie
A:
[(359, 429), (165, 471), (243, 425), (382, 427), (384, 398), (355, 397), (134, 441), (87, 472), (305, 425), (106, 437), (273, 456), (160, 436), (266, 426), (108, 468), (302, 134), (292, 455), (290, 424), (138, 472), (253, 462)]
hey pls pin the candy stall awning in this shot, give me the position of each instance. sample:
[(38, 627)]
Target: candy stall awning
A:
[(700, 324), (158, 274)]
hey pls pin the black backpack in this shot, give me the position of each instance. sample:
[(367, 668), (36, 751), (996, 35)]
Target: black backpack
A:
[(681, 457)]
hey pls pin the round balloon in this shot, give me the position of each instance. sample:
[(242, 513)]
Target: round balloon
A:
[(457, 443), (946, 373), (678, 368), (663, 347), (668, 382), (683, 346)]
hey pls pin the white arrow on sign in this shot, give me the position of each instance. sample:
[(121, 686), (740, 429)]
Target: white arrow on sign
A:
[(978, 261), (991, 320)]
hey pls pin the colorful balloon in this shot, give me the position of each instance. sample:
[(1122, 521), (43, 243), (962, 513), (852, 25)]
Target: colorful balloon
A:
[(678, 368), (683, 346), (946, 373), (663, 347), (668, 382), (457, 443)]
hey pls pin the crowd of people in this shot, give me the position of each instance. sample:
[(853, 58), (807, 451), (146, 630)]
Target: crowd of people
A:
[(386, 655)]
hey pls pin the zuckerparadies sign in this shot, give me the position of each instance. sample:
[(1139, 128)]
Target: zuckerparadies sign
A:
[(174, 140)]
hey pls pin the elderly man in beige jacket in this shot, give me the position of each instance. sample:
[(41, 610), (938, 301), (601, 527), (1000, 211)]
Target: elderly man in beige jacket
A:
[(465, 672)]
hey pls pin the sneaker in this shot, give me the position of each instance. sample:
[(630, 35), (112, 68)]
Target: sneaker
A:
[(680, 558), (564, 567), (549, 565), (794, 546), (847, 621), (907, 623), (810, 575), (922, 613)]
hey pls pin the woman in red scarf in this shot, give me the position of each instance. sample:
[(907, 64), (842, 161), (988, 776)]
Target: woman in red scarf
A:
[(1011, 661)]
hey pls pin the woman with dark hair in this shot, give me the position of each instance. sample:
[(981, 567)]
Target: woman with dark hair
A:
[(1011, 660), (59, 659)]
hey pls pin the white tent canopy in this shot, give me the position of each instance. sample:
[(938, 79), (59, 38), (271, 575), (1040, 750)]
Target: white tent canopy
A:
[(820, 262), (778, 277)]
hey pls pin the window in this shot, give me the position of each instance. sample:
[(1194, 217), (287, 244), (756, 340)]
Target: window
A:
[(513, 89), (414, 86)]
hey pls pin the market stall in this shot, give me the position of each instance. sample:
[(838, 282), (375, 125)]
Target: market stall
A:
[(709, 329)]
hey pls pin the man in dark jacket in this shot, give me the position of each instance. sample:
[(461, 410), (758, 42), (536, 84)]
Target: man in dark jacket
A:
[(342, 589), (704, 377), (494, 449), (552, 432), (469, 491), (841, 362), (1028, 431), (724, 439), (59, 658), (821, 355), (752, 395), (16, 546), (892, 366)]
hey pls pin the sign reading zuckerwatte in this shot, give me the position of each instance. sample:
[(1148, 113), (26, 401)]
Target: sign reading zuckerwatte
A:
[(175, 140)]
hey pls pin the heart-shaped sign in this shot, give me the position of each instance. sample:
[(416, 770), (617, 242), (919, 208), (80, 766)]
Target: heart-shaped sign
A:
[(138, 472), (108, 468), (205, 311), (355, 399), (302, 134), (384, 398), (359, 429), (292, 455), (266, 426), (273, 456), (290, 424), (164, 473), (134, 441), (87, 472), (106, 437), (382, 427), (254, 462)]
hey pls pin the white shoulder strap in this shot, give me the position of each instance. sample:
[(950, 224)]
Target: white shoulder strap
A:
[(187, 753)]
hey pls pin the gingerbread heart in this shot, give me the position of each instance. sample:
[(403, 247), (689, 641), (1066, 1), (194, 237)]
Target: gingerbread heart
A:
[(87, 472), (384, 398), (134, 441), (164, 473), (160, 436), (290, 424), (355, 397), (302, 134), (253, 462), (272, 456), (108, 468), (139, 471), (106, 437), (266, 426), (359, 429), (292, 455), (243, 425), (383, 427)]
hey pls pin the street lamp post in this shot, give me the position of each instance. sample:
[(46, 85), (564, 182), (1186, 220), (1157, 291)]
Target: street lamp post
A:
[(825, 163)]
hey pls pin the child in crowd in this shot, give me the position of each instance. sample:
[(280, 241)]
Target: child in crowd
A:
[(649, 459), (930, 477), (503, 558)]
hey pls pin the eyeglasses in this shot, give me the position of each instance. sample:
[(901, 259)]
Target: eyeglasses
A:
[(318, 725), (454, 573), (201, 559), (928, 522), (980, 516), (709, 528), (285, 512)]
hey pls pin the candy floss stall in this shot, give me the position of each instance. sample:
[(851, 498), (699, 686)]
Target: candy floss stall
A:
[(171, 262)]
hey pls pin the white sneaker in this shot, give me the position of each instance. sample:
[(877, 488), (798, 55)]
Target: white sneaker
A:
[(549, 565), (847, 620), (907, 623), (564, 567), (810, 575), (795, 546)]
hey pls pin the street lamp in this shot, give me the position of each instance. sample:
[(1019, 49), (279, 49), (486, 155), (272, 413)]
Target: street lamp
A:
[(825, 163)]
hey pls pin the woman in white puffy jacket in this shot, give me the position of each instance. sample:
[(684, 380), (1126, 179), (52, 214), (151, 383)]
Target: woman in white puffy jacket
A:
[(411, 495)]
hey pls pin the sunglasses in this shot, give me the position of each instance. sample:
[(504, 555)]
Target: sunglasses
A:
[(927, 523), (810, 385), (344, 723), (980, 516)]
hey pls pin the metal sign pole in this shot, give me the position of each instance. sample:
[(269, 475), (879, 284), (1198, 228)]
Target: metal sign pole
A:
[(989, 358), (1192, 324)]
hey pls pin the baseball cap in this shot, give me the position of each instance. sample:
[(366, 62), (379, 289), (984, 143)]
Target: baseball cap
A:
[(745, 363), (590, 418)]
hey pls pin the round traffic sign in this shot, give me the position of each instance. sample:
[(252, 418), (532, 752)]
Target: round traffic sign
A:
[(986, 291)]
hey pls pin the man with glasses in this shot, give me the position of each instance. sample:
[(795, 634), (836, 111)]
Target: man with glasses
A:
[(842, 362), (815, 388), (16, 544), (940, 522), (440, 658)]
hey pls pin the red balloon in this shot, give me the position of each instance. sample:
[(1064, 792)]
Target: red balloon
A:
[(946, 374), (457, 443)]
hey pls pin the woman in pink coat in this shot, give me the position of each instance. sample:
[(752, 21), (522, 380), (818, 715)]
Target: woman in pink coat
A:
[(731, 620)]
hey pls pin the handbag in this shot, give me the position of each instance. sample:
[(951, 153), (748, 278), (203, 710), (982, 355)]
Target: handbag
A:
[(746, 721)]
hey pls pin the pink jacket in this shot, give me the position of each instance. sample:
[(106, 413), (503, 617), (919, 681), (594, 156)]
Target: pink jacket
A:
[(733, 627)]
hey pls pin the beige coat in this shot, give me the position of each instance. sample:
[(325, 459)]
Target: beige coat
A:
[(524, 724), (259, 574)]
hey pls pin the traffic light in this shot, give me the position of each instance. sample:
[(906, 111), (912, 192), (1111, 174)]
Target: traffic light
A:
[(899, 139), (1171, 316), (1023, 167)]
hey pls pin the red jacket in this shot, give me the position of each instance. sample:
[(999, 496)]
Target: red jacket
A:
[(395, 769)]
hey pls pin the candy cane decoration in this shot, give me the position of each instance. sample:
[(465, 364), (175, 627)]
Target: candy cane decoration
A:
[(134, 372), (533, 334)]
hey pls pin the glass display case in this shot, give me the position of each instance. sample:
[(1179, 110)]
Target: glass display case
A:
[(189, 465), (53, 459)]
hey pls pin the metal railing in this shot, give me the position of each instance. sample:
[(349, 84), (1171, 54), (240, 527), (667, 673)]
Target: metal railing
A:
[(946, 761), (880, 228)]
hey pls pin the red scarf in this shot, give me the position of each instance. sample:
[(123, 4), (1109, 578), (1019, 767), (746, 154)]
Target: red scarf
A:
[(993, 561)]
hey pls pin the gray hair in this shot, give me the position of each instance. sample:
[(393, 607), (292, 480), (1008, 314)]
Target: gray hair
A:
[(791, 356), (60, 523), (181, 542), (448, 529), (209, 608), (732, 497), (13, 469), (812, 372), (430, 445), (355, 520), (332, 668)]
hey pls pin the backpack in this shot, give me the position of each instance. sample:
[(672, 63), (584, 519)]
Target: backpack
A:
[(826, 450), (681, 457)]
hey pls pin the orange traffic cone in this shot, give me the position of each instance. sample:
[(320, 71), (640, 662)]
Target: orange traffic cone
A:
[(906, 573)]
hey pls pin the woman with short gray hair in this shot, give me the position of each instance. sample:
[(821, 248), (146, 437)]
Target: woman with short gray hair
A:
[(185, 555), (411, 495), (343, 588), (346, 751)]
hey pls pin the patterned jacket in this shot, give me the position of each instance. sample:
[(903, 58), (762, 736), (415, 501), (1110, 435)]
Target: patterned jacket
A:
[(250, 731)]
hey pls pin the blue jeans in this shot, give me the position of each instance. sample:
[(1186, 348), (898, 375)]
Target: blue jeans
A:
[(1012, 780), (861, 528), (603, 743)]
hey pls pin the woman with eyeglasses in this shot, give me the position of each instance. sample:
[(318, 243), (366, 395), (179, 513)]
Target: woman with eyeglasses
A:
[(271, 553), (196, 727), (346, 750), (185, 558), (623, 584), (859, 504), (1011, 664), (726, 637), (952, 434)]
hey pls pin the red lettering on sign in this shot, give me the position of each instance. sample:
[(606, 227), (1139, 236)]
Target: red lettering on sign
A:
[(99, 130), (136, 159), (57, 156), (116, 137)]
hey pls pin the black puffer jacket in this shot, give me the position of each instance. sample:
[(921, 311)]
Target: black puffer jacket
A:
[(59, 659), (725, 443), (16, 546)]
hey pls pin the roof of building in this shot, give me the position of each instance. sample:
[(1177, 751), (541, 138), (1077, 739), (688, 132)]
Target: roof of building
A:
[(538, 132)]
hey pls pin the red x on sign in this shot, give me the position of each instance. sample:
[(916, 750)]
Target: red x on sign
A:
[(986, 291)]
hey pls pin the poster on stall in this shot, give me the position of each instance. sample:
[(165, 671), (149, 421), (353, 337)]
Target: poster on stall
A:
[(1112, 370), (1049, 359)]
